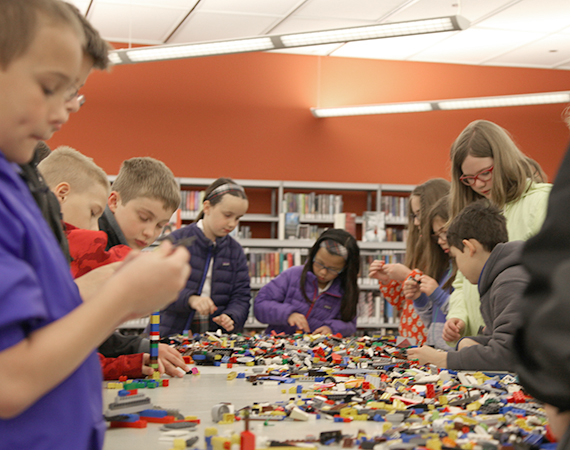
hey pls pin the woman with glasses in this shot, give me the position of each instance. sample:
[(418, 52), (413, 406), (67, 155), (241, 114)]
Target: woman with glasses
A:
[(486, 163), (430, 289), (392, 276), (319, 297)]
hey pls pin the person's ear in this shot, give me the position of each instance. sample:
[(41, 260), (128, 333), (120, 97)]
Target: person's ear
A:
[(113, 201), (61, 191), (470, 246), (206, 207)]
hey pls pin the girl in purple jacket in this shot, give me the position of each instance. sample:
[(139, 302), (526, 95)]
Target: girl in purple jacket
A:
[(319, 297)]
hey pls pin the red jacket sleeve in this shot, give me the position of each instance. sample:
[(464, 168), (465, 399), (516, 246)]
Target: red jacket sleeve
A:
[(87, 250), (129, 365)]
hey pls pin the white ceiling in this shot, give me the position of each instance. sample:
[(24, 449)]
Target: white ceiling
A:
[(522, 33)]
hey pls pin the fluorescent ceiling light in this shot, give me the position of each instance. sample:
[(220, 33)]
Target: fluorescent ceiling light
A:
[(437, 25), (253, 44), (194, 50), (372, 109), (434, 105), (506, 100)]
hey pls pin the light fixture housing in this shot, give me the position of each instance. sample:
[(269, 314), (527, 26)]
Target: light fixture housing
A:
[(284, 41), (541, 98)]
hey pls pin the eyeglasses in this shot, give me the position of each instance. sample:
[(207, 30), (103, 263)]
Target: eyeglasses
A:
[(442, 234), (484, 175), (321, 266)]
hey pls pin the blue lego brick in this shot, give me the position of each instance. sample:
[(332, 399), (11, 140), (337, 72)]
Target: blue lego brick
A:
[(123, 393), (154, 327), (158, 413), (241, 375)]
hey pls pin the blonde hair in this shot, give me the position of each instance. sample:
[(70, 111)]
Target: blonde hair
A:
[(418, 239), (511, 168), (20, 21), (67, 165), (147, 177)]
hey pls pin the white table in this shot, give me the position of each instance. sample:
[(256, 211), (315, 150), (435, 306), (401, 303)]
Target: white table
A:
[(196, 395)]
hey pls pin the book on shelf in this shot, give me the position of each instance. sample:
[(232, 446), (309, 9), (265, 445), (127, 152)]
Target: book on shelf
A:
[(291, 225), (395, 234), (191, 201), (265, 265), (395, 208), (345, 221), (313, 205), (373, 226)]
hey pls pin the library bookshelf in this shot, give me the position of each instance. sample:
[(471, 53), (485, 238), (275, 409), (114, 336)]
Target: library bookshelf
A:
[(315, 207)]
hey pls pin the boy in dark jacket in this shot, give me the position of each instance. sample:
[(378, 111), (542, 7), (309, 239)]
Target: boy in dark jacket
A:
[(477, 239)]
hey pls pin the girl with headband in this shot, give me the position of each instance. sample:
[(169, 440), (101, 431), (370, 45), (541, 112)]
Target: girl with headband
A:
[(217, 294), (319, 297)]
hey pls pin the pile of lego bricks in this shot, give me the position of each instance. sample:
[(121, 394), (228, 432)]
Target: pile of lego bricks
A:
[(369, 379)]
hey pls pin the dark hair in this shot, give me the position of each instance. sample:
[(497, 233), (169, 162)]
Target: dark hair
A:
[(348, 277), (436, 261), (481, 221), (418, 239), (239, 193)]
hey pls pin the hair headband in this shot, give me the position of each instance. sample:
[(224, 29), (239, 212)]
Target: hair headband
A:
[(335, 248), (224, 189)]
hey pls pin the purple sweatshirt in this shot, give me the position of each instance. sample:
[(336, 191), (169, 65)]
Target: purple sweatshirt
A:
[(277, 300)]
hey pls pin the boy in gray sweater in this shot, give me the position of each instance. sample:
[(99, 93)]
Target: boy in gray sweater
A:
[(477, 239)]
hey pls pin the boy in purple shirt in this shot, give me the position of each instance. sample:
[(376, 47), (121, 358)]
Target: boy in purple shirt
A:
[(50, 377)]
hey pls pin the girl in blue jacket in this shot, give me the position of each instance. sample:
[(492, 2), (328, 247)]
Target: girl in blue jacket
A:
[(217, 294), (430, 290), (319, 297)]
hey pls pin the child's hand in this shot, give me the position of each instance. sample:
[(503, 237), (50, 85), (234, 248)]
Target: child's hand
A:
[(203, 305), (146, 369), (411, 288), (452, 329), (428, 285), (172, 361), (323, 330), (299, 321), (224, 321), (151, 280), (376, 271), (397, 272), (428, 355), (90, 283)]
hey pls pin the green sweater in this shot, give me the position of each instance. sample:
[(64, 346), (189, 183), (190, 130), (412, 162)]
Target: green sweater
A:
[(524, 219)]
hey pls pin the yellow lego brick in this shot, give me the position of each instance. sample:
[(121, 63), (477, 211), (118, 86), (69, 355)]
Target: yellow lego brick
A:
[(191, 418), (231, 375), (156, 375), (443, 400), (473, 406), (217, 357), (347, 412), (362, 417), (386, 426), (218, 442), (210, 431), (433, 444), (154, 319), (283, 391), (250, 363), (179, 444), (293, 390)]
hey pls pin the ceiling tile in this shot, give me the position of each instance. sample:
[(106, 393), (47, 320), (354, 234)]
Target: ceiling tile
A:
[(369, 10), (390, 48), (532, 15), (302, 24), (210, 26), (475, 45), (279, 8), (547, 52)]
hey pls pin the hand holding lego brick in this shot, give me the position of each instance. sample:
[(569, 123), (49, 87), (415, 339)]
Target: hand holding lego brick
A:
[(428, 355), (203, 305), (452, 329), (300, 321), (224, 321), (170, 361), (411, 288), (148, 281)]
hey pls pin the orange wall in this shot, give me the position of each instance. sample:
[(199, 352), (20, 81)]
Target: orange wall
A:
[(247, 116)]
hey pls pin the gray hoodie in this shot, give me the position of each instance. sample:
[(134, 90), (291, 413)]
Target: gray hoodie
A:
[(501, 286)]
